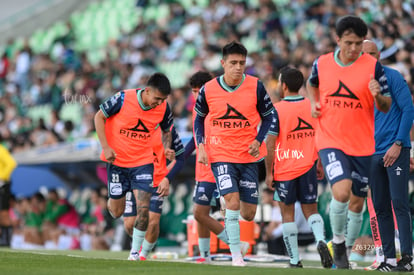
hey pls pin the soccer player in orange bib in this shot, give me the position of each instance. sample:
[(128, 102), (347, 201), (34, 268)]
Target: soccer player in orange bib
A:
[(163, 175), (292, 157), (125, 125), (205, 191), (236, 104), (343, 87)]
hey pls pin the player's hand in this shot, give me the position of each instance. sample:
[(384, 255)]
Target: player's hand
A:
[(254, 149), (374, 86), (269, 182), (164, 187), (316, 109), (391, 155), (202, 155), (411, 164), (109, 154), (169, 154)]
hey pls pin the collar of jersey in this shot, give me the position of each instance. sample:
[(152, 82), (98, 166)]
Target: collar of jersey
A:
[(145, 108), (227, 87), (293, 98), (339, 62)]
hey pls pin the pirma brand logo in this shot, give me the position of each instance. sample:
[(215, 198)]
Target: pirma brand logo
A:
[(303, 130), (139, 131), (336, 99), (238, 120)]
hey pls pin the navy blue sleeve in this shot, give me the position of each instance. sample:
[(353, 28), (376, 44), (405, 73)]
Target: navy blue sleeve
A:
[(167, 120), (112, 105), (201, 108), (382, 79), (178, 147), (178, 165), (314, 77), (275, 127), (176, 144), (266, 111), (189, 148), (199, 128)]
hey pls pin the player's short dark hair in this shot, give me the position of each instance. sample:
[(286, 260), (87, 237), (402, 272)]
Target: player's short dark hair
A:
[(353, 24), (292, 77), (234, 47), (198, 79), (160, 82)]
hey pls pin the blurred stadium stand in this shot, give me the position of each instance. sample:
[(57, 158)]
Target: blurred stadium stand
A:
[(24, 17)]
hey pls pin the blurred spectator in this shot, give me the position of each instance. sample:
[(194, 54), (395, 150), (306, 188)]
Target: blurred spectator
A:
[(61, 222), (42, 136), (22, 69), (34, 215), (4, 69)]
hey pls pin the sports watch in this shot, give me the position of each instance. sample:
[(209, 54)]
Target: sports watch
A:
[(398, 143)]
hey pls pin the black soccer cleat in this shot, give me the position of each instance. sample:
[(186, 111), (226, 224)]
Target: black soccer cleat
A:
[(326, 258), (385, 267), (404, 265), (340, 258)]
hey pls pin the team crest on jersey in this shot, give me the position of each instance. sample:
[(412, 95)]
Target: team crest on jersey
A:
[(302, 130), (238, 120), (336, 99), (139, 131)]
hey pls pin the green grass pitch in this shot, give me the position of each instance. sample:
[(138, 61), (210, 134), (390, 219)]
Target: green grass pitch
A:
[(105, 262)]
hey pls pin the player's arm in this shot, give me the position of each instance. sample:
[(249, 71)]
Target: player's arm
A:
[(189, 148), (312, 86), (202, 110), (270, 146), (175, 166), (266, 111), (178, 148), (269, 159), (379, 89), (109, 108), (166, 124), (402, 97)]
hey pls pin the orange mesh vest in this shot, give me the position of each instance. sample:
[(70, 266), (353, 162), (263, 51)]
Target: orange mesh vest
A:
[(295, 151), (347, 106), (160, 161), (233, 121), (203, 172), (129, 132)]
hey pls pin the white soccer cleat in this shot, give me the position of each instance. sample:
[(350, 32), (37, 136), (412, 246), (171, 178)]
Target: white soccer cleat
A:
[(238, 262), (133, 256), (244, 248), (373, 266)]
